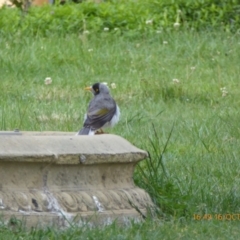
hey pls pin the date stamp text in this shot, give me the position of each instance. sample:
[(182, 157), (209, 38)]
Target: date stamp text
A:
[(220, 217)]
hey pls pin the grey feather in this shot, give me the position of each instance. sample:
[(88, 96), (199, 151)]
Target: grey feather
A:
[(84, 131)]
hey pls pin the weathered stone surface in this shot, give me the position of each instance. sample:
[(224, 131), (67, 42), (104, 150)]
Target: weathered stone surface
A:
[(55, 179)]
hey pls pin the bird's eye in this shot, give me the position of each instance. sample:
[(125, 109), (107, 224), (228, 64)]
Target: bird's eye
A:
[(96, 90)]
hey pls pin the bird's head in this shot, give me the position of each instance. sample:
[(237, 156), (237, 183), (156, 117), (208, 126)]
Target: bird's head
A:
[(97, 88)]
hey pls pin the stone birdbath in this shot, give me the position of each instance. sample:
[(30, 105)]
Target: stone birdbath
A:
[(56, 178)]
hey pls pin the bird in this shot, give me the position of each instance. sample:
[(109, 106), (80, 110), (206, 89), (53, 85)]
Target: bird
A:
[(102, 111)]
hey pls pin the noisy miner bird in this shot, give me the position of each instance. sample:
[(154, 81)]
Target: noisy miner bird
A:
[(102, 111)]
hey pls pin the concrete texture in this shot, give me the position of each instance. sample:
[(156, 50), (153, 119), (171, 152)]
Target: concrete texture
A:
[(56, 178)]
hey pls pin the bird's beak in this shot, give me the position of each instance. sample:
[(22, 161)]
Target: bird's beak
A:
[(88, 88)]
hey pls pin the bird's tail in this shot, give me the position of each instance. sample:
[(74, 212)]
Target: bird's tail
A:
[(85, 131)]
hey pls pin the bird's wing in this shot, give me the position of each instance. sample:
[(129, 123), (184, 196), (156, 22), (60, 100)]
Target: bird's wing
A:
[(99, 113)]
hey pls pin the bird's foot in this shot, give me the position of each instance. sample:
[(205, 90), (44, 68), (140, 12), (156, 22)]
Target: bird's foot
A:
[(100, 131)]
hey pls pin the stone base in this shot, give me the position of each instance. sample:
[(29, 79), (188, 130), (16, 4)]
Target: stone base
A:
[(63, 179), (90, 219)]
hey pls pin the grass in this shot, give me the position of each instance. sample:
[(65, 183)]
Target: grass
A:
[(189, 127), (149, 230)]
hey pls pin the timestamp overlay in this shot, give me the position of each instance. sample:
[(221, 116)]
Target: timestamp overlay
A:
[(216, 216)]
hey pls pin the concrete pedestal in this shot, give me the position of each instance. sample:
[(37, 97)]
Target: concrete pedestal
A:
[(54, 179)]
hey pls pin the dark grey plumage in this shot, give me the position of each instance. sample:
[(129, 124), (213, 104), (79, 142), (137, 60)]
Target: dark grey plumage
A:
[(102, 110)]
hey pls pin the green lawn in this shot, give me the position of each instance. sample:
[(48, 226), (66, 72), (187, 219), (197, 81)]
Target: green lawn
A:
[(179, 98), (150, 230)]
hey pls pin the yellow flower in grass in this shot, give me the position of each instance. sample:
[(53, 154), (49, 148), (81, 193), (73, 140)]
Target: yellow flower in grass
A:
[(113, 85), (175, 81), (149, 22), (176, 24), (224, 91), (48, 80)]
